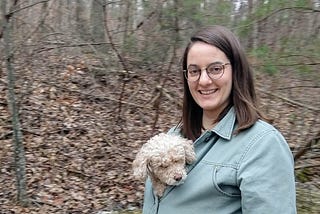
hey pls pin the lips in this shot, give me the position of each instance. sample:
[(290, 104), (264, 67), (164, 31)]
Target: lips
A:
[(207, 92)]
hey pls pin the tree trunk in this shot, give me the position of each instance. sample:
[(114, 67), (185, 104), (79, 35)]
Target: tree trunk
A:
[(252, 41), (97, 23), (20, 161), (127, 25), (81, 20)]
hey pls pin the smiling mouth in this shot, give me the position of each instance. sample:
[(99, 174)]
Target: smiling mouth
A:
[(207, 92)]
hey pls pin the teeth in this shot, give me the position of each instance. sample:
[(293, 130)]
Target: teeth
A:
[(208, 92)]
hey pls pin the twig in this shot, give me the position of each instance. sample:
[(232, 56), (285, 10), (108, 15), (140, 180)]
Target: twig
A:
[(121, 59), (99, 97), (5, 135), (39, 202), (296, 64), (292, 102), (62, 45), (308, 145), (111, 99), (299, 9), (298, 86), (166, 93), (28, 6), (173, 57), (134, 93), (307, 166), (147, 18)]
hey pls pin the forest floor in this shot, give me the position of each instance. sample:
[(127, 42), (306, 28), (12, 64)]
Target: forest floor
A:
[(80, 139)]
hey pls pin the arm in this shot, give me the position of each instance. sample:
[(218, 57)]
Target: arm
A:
[(266, 176)]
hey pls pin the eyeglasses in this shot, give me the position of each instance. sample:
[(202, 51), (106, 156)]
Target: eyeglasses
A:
[(214, 70)]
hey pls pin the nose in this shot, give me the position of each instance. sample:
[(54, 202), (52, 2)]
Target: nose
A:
[(204, 78), (177, 177)]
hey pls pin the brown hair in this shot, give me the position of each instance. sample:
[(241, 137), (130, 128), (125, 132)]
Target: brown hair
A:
[(243, 93)]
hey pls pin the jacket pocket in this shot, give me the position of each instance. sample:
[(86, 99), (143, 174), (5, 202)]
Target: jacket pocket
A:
[(225, 180)]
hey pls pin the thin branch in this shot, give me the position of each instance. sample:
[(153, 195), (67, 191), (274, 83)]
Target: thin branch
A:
[(113, 46), (308, 145), (10, 14), (19, 154), (161, 85), (297, 64), (28, 6), (296, 55), (121, 59), (300, 9), (287, 65), (148, 17), (63, 44), (298, 86), (44, 49), (169, 97), (307, 166), (293, 102), (6, 135)]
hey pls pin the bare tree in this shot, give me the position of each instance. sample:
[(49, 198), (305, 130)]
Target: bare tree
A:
[(96, 23), (82, 20), (20, 161)]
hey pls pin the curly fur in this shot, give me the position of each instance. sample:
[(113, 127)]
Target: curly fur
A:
[(163, 159)]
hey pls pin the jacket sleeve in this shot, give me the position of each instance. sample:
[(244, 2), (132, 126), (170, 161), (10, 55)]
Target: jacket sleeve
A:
[(266, 176)]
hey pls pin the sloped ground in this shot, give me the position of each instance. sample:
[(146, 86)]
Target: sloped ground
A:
[(79, 146)]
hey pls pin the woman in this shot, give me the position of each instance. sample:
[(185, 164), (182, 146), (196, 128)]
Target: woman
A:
[(244, 165)]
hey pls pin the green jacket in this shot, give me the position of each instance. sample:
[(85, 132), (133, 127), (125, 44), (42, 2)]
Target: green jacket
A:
[(251, 172)]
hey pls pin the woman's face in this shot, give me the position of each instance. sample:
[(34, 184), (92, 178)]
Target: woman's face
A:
[(212, 95)]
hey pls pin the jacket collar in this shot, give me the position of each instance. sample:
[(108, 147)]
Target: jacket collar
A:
[(226, 126)]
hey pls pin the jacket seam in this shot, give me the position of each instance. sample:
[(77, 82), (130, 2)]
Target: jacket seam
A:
[(254, 140), (233, 166)]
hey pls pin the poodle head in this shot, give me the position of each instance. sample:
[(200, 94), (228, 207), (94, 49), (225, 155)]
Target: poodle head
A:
[(163, 158)]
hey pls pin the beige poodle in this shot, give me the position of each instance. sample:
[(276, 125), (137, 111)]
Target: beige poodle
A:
[(163, 158)]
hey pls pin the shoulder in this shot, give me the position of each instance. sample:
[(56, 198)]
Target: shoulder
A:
[(266, 171), (263, 126), (263, 137), (262, 130)]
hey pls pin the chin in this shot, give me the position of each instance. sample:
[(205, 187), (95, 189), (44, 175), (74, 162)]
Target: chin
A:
[(209, 107)]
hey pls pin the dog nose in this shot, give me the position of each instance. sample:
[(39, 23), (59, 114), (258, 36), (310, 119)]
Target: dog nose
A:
[(177, 177)]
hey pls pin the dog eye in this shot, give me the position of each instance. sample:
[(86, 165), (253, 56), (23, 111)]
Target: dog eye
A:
[(164, 166), (165, 163)]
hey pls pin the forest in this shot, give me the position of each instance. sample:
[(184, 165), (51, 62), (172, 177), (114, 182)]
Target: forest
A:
[(85, 83)]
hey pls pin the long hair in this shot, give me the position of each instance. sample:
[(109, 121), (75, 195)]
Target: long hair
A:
[(243, 96)]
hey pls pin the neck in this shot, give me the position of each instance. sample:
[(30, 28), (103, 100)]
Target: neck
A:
[(208, 122), (210, 118)]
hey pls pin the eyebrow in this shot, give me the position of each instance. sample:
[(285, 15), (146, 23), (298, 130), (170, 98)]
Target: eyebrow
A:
[(216, 62)]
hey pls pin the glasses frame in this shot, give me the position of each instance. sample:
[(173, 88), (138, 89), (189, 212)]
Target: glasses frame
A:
[(206, 68)]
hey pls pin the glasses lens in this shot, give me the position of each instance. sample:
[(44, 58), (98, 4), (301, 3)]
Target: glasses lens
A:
[(215, 71), (193, 73)]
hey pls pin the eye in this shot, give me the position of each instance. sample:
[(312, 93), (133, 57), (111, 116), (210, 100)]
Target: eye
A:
[(215, 69), (164, 166), (176, 161), (193, 70)]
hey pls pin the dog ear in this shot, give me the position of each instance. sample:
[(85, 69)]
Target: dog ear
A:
[(140, 165), (189, 151)]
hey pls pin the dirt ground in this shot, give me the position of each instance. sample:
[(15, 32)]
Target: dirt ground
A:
[(80, 138)]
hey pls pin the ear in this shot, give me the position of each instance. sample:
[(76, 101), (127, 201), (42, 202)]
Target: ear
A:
[(189, 151), (140, 165)]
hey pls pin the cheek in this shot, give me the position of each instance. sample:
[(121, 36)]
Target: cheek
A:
[(192, 88), (226, 83), (228, 88)]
